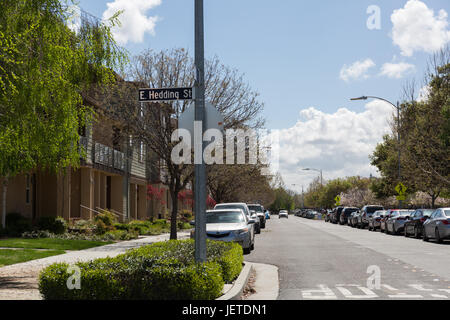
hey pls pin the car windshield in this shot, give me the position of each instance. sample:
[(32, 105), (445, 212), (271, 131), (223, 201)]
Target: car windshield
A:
[(229, 206), (256, 208), (224, 217), (373, 209)]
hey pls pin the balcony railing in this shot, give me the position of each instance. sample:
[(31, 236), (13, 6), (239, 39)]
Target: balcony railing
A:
[(109, 157)]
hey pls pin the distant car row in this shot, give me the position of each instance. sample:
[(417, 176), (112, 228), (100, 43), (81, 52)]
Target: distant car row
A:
[(307, 213), (420, 223), (235, 222)]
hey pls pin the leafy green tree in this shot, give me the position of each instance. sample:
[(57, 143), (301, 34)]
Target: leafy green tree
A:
[(44, 69)]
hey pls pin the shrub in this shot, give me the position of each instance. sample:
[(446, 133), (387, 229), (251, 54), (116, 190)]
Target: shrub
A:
[(161, 271), (106, 217), (56, 225), (16, 224)]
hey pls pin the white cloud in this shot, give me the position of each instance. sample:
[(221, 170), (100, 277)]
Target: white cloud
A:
[(417, 28), (134, 20), (338, 143), (74, 20), (424, 92), (397, 70), (357, 70)]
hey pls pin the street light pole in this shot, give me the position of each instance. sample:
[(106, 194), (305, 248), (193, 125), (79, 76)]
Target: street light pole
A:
[(200, 170), (398, 133), (318, 170)]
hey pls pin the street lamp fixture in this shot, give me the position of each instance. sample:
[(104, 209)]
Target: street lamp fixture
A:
[(397, 106), (318, 170)]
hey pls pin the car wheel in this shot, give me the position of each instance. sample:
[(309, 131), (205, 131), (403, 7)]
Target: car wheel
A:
[(252, 247), (416, 232), (405, 233), (437, 236), (424, 235), (247, 250)]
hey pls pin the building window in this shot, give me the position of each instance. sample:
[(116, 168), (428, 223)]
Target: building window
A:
[(141, 152), (27, 189)]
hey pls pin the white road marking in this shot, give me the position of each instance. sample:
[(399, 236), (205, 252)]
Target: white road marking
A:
[(405, 296), (419, 287), (368, 294), (439, 296), (324, 291), (389, 287)]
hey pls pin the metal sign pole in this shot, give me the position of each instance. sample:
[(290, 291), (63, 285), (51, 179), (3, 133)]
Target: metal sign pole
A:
[(200, 170)]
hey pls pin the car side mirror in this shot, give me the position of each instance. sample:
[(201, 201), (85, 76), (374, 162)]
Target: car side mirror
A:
[(426, 217), (192, 223), (251, 221), (254, 216)]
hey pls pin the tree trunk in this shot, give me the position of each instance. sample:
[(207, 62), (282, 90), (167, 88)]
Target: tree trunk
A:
[(433, 200), (173, 217), (5, 189)]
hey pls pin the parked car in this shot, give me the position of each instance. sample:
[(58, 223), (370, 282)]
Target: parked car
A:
[(375, 220), (259, 209), (384, 219), (350, 218), (414, 225), (396, 221), (244, 207), (283, 214), (437, 226), (327, 216), (366, 212), (230, 225), (311, 214), (354, 220), (345, 214), (336, 214)]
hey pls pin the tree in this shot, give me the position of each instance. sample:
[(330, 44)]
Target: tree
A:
[(153, 124), (44, 69), (424, 131)]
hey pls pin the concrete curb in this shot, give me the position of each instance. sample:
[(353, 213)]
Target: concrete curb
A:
[(235, 292)]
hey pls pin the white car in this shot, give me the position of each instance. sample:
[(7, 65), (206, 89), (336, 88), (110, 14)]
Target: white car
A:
[(283, 214)]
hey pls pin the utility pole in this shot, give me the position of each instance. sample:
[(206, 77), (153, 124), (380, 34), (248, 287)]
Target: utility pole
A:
[(200, 170), (400, 202)]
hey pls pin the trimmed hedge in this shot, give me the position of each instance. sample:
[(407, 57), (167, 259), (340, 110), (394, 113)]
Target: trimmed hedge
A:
[(161, 271), (56, 225)]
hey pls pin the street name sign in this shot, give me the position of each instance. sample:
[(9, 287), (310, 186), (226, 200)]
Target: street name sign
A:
[(168, 94)]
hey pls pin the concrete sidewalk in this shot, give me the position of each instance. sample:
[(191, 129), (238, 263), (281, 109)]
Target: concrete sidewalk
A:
[(20, 281), (266, 284)]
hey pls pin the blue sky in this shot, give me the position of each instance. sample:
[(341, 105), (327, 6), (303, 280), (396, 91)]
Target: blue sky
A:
[(306, 55)]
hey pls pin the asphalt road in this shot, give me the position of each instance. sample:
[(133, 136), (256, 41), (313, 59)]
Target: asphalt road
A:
[(319, 260)]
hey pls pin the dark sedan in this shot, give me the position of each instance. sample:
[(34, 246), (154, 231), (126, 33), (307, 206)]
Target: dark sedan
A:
[(414, 225), (345, 214)]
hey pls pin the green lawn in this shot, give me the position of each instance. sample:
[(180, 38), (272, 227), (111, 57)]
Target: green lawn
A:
[(10, 256), (49, 243)]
